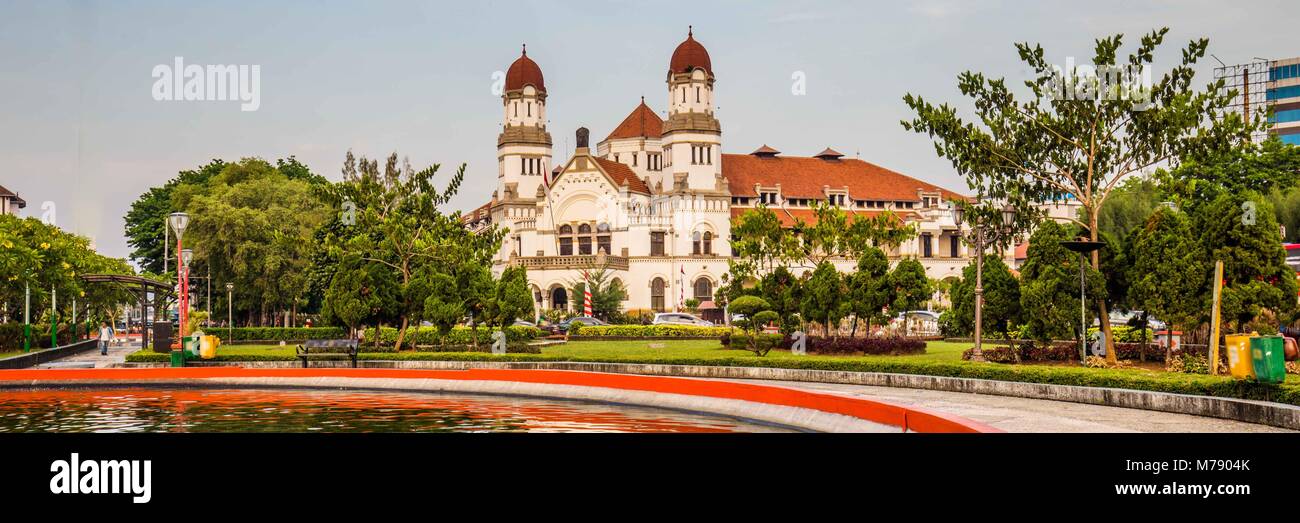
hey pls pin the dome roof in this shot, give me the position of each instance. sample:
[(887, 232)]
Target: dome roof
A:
[(524, 72), (689, 55)]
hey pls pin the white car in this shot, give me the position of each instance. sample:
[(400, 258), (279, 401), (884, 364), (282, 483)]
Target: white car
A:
[(680, 318)]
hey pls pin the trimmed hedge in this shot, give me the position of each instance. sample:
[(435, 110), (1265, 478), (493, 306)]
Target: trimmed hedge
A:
[(428, 337), (876, 346), (1069, 351), (1173, 383), (649, 331), (11, 335), (278, 333)]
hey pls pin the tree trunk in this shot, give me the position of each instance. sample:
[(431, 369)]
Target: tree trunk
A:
[(853, 331), (1104, 318), (401, 334)]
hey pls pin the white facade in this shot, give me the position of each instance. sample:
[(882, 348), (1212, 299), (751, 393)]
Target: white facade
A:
[(655, 201)]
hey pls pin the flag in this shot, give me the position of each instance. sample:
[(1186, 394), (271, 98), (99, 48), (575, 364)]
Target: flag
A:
[(681, 289)]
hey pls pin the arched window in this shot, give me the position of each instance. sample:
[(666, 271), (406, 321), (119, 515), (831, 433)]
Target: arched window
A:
[(657, 294), (584, 239), (602, 239), (702, 242), (566, 240), (703, 289)]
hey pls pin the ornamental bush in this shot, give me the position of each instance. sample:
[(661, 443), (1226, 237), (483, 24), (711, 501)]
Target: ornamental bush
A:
[(649, 331), (278, 333), (422, 337), (11, 335), (894, 346)]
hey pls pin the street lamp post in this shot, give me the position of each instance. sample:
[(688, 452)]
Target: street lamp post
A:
[(186, 256), (1083, 247), (985, 233), (27, 317), (230, 315), (178, 222)]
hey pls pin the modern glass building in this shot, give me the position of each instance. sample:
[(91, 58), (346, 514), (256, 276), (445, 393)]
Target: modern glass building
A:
[(1283, 98)]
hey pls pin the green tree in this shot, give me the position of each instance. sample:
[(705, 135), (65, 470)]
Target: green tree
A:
[(1049, 285), (1075, 135), (607, 293), (783, 292), (823, 297), (869, 291), (399, 223), (911, 287), (514, 299), (1168, 277), (443, 306), (1239, 229), (1129, 206), (756, 313)]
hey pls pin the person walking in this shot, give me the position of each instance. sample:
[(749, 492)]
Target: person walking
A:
[(105, 335)]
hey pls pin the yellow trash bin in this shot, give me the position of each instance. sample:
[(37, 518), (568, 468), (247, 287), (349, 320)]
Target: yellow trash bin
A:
[(1239, 360), (208, 347)]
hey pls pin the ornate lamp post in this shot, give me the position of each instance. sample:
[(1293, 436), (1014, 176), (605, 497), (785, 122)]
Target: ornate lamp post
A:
[(186, 257), (178, 222), (230, 316), (985, 234)]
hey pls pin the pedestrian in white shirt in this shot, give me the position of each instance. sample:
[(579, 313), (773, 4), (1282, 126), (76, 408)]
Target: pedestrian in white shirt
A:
[(105, 335)]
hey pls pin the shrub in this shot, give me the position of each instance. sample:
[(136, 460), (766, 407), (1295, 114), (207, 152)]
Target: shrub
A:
[(1189, 364), (278, 333), (760, 344), (894, 346), (11, 335), (649, 331), (419, 337)]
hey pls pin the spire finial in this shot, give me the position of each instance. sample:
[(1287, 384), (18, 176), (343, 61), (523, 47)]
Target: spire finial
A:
[(690, 31), (643, 99), (525, 49)]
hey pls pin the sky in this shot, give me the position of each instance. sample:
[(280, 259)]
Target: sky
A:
[(80, 128)]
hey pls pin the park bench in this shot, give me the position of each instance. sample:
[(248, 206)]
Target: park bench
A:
[(327, 349)]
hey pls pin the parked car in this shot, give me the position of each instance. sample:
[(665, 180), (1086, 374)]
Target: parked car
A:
[(523, 323), (680, 318), (919, 323), (1118, 319), (563, 326)]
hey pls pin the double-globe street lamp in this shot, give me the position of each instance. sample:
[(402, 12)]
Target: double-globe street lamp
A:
[(985, 233)]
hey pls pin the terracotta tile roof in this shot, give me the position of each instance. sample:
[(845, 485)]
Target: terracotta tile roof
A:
[(765, 150), (803, 177), (22, 204), (642, 123), (623, 175), (524, 71), (689, 55), (480, 213), (829, 153), (809, 216)]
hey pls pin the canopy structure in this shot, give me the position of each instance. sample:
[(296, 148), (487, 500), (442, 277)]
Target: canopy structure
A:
[(141, 287)]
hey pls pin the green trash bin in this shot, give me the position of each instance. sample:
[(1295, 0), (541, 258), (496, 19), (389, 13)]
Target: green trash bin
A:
[(1267, 353), (178, 358)]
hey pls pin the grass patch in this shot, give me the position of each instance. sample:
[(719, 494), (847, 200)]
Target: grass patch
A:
[(940, 359)]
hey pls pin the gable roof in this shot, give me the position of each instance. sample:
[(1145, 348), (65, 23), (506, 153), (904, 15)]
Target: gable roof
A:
[(22, 204), (622, 175), (803, 177), (642, 123)]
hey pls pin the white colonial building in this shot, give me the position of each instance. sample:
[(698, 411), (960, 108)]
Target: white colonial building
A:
[(655, 200)]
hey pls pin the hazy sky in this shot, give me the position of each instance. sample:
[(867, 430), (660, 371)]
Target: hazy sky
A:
[(80, 128)]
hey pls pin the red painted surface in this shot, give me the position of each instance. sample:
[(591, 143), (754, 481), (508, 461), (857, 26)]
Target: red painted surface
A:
[(909, 418)]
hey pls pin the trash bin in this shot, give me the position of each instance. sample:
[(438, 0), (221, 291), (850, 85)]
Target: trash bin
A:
[(1240, 363), (1267, 356), (178, 358), (208, 347)]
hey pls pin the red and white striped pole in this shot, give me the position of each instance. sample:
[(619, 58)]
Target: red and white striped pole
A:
[(586, 294)]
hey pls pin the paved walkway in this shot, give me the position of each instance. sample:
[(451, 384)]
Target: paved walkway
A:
[(1033, 415), (93, 359)]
